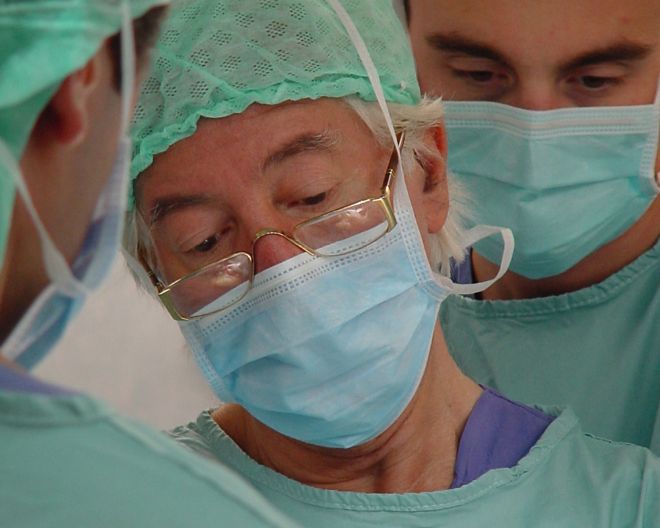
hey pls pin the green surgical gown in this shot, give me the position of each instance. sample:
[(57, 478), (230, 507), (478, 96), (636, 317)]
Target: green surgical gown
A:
[(567, 480), (69, 461), (596, 350)]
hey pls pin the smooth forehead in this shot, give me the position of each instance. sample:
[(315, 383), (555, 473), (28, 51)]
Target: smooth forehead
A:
[(539, 30)]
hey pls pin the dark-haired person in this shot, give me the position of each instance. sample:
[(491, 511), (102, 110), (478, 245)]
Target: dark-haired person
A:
[(552, 117), (66, 91)]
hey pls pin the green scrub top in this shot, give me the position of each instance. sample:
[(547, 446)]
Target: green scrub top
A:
[(567, 480), (596, 349), (69, 461)]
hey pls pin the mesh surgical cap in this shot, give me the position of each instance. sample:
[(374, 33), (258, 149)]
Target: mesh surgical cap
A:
[(217, 57), (41, 43)]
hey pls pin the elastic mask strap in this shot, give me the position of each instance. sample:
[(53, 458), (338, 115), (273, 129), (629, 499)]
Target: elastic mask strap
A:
[(56, 266), (369, 66), (128, 67), (473, 236)]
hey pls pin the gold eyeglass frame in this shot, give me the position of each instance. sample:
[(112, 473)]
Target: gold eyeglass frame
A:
[(384, 200)]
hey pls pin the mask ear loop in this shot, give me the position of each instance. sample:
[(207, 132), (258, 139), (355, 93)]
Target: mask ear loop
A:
[(128, 67), (128, 83), (56, 265), (369, 66), (473, 235)]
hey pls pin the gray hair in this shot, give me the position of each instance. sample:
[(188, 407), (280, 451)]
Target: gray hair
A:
[(415, 121)]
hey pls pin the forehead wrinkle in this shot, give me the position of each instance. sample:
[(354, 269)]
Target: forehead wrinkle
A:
[(169, 204), (305, 142)]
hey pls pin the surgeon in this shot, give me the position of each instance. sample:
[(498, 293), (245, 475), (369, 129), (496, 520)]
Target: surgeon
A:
[(552, 115), (68, 73), (292, 208)]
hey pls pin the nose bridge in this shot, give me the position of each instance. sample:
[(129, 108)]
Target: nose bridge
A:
[(271, 246), (538, 92)]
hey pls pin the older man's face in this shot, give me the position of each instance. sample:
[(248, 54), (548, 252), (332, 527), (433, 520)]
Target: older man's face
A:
[(269, 167)]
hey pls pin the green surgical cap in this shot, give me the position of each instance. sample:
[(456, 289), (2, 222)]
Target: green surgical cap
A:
[(217, 57), (41, 43)]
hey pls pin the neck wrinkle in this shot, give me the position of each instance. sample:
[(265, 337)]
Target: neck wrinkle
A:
[(416, 454)]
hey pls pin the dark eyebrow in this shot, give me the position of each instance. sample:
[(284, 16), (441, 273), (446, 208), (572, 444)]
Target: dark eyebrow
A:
[(170, 204), (452, 42), (618, 52), (316, 141)]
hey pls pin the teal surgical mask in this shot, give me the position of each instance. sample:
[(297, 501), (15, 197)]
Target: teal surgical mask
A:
[(565, 181), (48, 316)]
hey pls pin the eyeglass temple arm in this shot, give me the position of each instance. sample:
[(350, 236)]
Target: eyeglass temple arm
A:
[(394, 160)]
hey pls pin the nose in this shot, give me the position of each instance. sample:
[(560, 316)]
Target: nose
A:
[(271, 249), (538, 94)]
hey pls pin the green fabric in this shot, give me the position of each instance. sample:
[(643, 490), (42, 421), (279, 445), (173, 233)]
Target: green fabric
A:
[(596, 349), (41, 42), (567, 480), (70, 461), (217, 57)]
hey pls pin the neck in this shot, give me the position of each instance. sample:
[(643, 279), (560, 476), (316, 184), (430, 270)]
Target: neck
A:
[(23, 274), (415, 454), (591, 270)]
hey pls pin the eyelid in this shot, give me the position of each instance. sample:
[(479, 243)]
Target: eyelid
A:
[(182, 230), (611, 69), (298, 202), (190, 241)]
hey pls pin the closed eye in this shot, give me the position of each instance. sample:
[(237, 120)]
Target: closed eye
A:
[(311, 200), (206, 245), (477, 76)]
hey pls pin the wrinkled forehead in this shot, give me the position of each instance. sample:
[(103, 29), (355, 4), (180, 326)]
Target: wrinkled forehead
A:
[(253, 141), (540, 31)]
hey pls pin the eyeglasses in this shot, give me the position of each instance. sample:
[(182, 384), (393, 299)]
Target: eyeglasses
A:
[(221, 284)]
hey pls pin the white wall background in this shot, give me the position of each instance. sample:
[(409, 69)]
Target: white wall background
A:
[(124, 348)]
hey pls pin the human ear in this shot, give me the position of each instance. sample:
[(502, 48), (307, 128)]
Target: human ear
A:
[(436, 194), (66, 118)]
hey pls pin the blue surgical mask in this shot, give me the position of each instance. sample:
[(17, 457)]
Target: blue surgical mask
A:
[(48, 316), (330, 351), (565, 181)]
